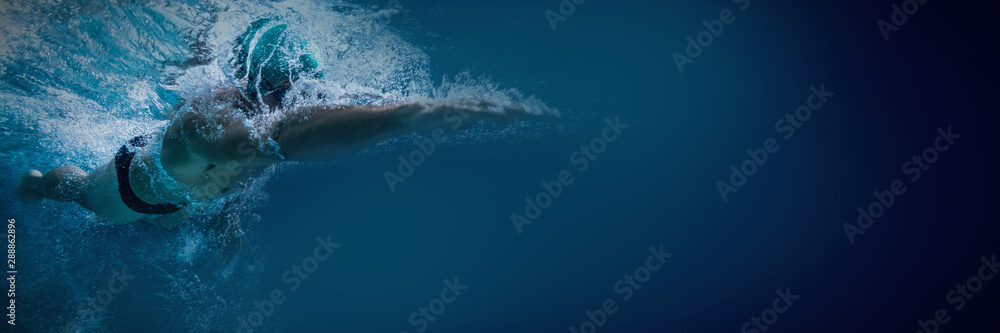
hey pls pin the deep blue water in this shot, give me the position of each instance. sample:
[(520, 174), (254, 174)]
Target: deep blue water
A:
[(80, 78)]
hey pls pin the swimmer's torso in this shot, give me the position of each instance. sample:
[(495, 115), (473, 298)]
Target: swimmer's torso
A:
[(224, 109), (169, 171)]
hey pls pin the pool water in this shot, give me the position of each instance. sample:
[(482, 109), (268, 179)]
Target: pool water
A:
[(608, 218)]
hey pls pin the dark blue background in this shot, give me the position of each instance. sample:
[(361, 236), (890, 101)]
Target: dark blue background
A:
[(656, 184), (653, 186)]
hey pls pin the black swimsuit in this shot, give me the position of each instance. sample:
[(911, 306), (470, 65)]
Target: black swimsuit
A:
[(123, 161)]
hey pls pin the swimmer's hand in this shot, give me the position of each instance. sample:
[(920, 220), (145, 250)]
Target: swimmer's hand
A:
[(225, 229)]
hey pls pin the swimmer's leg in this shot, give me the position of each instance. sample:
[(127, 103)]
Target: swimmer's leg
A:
[(225, 229), (65, 183)]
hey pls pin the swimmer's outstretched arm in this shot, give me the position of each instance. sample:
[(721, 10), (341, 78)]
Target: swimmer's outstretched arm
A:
[(316, 133), (322, 132)]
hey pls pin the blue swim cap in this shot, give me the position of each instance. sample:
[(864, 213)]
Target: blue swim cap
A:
[(265, 56)]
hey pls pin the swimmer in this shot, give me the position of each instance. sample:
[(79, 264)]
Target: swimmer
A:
[(162, 178)]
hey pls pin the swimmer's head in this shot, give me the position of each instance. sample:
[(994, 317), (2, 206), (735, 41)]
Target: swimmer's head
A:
[(270, 59)]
